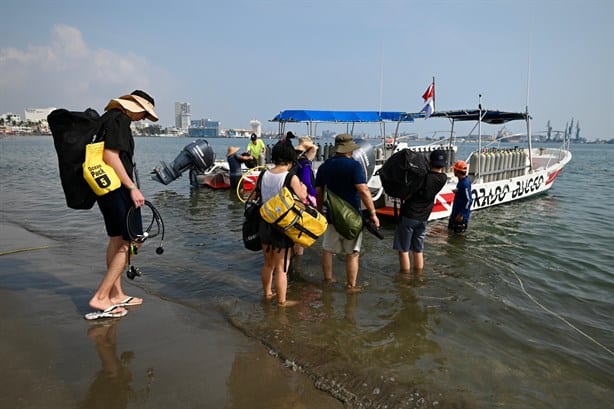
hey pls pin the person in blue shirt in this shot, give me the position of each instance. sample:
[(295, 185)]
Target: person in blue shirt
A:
[(344, 176), (461, 208), (235, 159)]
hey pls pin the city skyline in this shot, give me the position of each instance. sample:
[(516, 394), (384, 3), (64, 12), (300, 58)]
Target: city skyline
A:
[(239, 61)]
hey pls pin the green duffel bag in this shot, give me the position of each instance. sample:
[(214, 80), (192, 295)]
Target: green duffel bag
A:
[(346, 219)]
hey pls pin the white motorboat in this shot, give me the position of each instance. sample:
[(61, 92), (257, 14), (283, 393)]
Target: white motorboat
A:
[(498, 174)]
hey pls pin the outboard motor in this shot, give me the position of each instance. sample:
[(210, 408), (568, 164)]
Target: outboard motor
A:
[(197, 155), (365, 155)]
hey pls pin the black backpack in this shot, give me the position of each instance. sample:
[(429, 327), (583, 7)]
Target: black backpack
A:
[(404, 173), (71, 132)]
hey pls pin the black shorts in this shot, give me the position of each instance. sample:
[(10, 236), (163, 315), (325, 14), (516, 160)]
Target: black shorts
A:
[(114, 207), (270, 236)]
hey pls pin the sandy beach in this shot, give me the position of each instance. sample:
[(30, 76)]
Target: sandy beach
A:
[(161, 355)]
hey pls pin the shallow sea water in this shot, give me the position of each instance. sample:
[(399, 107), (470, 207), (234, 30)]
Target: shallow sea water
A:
[(517, 313)]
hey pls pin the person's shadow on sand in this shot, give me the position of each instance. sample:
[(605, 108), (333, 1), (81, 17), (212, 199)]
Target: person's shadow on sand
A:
[(111, 387)]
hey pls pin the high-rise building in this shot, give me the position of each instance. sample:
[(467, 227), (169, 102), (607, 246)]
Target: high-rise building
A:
[(182, 115), (204, 128)]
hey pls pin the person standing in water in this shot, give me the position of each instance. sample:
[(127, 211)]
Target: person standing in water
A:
[(109, 299), (461, 207)]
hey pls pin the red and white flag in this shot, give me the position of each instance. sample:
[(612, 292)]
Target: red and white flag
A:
[(429, 93), (429, 98)]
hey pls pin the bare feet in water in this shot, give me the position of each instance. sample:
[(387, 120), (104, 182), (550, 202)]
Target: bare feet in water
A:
[(351, 289), (287, 303)]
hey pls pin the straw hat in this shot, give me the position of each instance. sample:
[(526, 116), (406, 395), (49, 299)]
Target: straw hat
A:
[(231, 150), (305, 143), (138, 101)]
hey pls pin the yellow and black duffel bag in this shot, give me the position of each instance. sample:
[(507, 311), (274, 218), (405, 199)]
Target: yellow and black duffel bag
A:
[(297, 220)]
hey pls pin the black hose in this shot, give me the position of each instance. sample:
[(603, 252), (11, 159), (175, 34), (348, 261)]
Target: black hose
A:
[(156, 218)]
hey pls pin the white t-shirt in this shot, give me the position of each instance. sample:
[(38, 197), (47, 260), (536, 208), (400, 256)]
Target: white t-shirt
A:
[(272, 183)]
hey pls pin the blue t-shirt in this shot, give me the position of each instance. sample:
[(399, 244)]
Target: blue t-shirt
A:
[(234, 164), (462, 199), (340, 174)]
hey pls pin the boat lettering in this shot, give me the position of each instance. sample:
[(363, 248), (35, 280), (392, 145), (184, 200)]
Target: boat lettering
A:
[(527, 186), (494, 195)]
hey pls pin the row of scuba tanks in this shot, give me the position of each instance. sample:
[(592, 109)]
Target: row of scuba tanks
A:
[(498, 164)]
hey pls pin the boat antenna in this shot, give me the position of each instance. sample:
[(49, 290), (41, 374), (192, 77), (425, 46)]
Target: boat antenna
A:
[(381, 79), (478, 173), (527, 116)]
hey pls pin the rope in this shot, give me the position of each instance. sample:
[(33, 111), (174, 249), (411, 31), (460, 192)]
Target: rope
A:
[(5, 253), (248, 173), (561, 318)]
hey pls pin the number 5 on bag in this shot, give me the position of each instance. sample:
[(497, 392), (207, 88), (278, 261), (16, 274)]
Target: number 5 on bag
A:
[(100, 176)]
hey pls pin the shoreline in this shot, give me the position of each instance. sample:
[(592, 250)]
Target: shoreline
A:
[(160, 354)]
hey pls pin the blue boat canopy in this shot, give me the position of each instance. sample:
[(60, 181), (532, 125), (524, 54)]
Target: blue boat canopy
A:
[(342, 116)]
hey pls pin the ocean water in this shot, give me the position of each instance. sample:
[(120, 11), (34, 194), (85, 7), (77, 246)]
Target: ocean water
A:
[(515, 314)]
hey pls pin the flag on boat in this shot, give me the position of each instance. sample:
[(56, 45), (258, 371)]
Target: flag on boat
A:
[(429, 98)]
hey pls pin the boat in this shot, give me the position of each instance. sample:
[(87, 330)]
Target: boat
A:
[(217, 176), (498, 174)]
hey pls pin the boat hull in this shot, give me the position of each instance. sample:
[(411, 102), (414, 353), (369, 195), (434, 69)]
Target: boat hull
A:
[(216, 177), (535, 180)]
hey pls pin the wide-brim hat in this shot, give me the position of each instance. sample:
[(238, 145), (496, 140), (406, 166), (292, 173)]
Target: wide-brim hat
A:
[(231, 150), (344, 143), (134, 103), (305, 144)]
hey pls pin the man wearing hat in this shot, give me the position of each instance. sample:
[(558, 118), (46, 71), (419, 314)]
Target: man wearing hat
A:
[(235, 159), (461, 207), (257, 149), (344, 176), (415, 212), (110, 300)]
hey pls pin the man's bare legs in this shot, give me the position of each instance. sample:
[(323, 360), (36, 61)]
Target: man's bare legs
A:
[(109, 290), (327, 266), (351, 270), (404, 262)]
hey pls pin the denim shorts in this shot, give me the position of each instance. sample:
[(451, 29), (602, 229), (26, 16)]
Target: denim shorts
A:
[(409, 235)]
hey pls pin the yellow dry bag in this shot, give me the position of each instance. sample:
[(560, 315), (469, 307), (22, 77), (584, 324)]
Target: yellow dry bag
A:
[(297, 220), (100, 176)]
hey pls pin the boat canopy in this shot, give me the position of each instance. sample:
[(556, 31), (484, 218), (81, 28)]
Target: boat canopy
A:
[(342, 116), (490, 117)]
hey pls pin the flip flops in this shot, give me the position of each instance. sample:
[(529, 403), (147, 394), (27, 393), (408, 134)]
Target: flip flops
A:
[(108, 313), (129, 302)]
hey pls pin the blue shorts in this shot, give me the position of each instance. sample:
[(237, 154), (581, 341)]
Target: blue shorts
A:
[(114, 207), (409, 235)]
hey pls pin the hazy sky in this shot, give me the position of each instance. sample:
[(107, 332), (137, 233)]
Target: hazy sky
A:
[(234, 61)]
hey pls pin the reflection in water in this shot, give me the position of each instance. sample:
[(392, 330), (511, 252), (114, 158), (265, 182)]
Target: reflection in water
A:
[(331, 337), (111, 387)]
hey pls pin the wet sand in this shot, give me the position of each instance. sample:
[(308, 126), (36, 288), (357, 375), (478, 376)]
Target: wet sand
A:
[(162, 354)]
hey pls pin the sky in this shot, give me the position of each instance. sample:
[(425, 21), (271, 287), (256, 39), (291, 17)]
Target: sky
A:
[(238, 60)]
